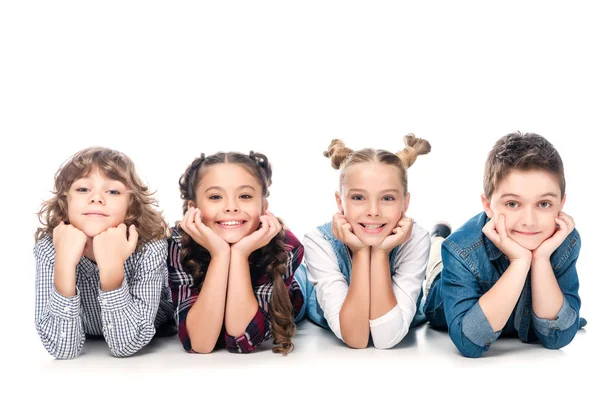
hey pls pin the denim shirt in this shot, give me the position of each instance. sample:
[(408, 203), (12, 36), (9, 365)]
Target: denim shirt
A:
[(344, 261), (473, 264)]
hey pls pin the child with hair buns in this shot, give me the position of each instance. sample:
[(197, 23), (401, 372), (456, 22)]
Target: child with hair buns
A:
[(231, 262), (365, 268)]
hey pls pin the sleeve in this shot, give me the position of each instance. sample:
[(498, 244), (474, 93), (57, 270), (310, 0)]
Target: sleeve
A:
[(259, 329), (407, 281), (129, 312), (183, 291), (558, 333), (468, 326), (323, 272), (57, 318)]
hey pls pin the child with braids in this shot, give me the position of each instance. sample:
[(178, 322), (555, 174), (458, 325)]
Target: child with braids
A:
[(101, 258), (367, 265), (511, 269), (231, 262)]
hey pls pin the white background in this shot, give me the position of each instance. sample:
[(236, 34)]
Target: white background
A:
[(164, 82)]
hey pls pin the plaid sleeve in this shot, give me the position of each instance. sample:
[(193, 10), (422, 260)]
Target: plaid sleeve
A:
[(57, 318), (129, 312), (259, 329), (183, 291)]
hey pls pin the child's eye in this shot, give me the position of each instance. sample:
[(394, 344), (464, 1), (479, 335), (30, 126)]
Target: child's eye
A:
[(545, 204), (245, 196), (82, 189), (512, 204), (388, 198), (114, 192), (358, 197), (214, 197)]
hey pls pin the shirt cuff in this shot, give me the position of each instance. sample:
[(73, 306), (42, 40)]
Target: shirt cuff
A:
[(62, 306), (477, 329), (565, 319), (115, 300), (251, 338), (391, 315)]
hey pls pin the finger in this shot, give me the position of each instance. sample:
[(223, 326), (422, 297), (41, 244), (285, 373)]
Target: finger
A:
[(278, 225), (336, 225), (501, 228), (272, 223), (489, 230), (187, 215), (406, 225), (562, 225), (190, 227), (346, 231), (133, 238), (265, 224), (568, 220), (197, 219)]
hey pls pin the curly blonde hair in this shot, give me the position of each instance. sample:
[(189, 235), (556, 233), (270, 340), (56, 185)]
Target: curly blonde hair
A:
[(141, 210)]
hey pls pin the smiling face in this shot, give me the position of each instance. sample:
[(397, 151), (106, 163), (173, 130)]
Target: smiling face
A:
[(230, 201), (96, 203), (529, 200), (372, 200)]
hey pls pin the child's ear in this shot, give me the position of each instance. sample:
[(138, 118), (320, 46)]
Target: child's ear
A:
[(486, 206), (265, 206), (191, 204), (338, 200), (562, 203)]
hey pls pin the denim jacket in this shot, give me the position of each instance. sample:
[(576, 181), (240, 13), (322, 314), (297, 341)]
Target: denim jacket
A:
[(472, 265)]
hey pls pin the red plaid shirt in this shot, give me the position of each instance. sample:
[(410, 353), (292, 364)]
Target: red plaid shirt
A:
[(185, 293)]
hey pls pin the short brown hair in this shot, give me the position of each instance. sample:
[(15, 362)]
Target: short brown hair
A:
[(525, 152)]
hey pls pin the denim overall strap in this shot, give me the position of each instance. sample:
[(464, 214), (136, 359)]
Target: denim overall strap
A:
[(343, 254)]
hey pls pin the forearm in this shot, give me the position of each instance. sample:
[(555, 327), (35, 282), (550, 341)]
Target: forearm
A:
[(354, 315), (65, 278), (382, 298), (111, 276), (498, 303), (241, 304), (204, 321), (547, 297)]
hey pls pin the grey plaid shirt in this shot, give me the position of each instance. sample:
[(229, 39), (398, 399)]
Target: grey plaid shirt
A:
[(127, 317)]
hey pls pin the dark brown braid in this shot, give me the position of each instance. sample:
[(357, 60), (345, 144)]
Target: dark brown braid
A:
[(271, 259)]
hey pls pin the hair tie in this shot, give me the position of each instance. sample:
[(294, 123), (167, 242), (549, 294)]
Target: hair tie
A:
[(257, 159), (198, 161)]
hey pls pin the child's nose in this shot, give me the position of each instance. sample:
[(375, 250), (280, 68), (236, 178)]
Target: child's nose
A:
[(97, 198), (528, 217), (373, 210)]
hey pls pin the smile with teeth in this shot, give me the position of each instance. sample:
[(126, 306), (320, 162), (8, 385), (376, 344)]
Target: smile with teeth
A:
[(372, 228), (230, 224)]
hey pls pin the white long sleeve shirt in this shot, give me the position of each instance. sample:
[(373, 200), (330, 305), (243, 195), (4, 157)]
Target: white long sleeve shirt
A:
[(407, 278)]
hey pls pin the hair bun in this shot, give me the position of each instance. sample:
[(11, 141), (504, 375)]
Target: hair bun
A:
[(337, 152)]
